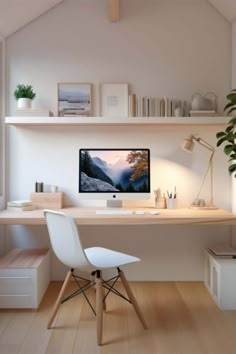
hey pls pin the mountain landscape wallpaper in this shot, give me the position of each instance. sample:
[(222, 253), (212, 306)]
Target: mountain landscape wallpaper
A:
[(116, 171)]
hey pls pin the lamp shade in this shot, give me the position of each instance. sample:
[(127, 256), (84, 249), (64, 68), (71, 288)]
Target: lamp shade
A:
[(188, 144)]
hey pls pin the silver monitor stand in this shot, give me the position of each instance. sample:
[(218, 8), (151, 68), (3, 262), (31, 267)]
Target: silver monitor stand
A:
[(114, 204)]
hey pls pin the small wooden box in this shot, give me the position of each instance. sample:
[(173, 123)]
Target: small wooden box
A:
[(47, 200), (24, 277)]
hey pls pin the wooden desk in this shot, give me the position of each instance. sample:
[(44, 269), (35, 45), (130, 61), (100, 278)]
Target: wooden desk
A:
[(87, 216)]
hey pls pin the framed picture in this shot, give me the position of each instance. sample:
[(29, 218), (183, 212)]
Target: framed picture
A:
[(74, 99), (114, 100)]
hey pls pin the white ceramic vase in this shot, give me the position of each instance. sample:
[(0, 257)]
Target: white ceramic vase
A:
[(24, 103)]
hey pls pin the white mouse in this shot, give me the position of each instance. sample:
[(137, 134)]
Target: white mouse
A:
[(154, 212)]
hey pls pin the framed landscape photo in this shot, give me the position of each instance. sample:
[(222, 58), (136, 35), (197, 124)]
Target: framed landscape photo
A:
[(114, 100), (74, 99)]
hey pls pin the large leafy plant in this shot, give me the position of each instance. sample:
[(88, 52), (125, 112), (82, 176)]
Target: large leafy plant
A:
[(228, 136), (24, 91)]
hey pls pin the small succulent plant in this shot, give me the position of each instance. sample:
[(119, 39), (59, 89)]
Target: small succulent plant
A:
[(24, 91)]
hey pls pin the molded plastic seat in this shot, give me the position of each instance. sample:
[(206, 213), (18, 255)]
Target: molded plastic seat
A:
[(102, 258)]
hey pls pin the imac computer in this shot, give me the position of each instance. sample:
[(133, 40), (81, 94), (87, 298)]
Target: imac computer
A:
[(114, 175)]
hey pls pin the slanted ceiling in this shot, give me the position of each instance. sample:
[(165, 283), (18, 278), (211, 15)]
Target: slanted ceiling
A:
[(15, 14), (226, 7)]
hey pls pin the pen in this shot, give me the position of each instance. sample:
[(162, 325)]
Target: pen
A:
[(175, 192), (168, 194)]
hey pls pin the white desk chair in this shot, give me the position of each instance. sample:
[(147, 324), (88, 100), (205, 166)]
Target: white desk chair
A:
[(67, 246)]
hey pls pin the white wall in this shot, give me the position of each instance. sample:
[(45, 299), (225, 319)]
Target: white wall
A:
[(233, 87), (2, 229), (172, 48), (1, 117), (234, 55)]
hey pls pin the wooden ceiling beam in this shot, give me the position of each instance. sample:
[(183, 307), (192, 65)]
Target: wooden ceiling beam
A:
[(114, 10)]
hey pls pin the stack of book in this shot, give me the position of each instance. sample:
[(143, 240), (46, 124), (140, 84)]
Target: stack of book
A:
[(20, 205), (140, 106)]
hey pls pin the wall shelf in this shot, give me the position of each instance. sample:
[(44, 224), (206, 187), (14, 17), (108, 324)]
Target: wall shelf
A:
[(70, 121)]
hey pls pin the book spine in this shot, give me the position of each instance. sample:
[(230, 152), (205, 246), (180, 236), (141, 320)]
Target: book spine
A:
[(132, 105), (162, 107), (166, 106)]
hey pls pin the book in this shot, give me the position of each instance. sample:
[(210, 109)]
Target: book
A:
[(19, 203), (166, 106), (203, 114), (132, 105), (74, 115), (223, 250), (21, 208), (162, 107), (33, 113)]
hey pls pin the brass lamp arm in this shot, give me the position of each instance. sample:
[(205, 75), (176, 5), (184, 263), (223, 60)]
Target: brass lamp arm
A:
[(203, 143)]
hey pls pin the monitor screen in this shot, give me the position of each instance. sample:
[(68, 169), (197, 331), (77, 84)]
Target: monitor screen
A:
[(114, 171)]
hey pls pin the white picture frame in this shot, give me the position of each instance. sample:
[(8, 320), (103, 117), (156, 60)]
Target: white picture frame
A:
[(114, 100)]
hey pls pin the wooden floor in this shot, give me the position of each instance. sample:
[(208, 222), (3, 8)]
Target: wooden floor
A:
[(182, 319)]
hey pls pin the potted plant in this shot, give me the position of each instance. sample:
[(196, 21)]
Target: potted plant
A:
[(228, 136), (24, 95)]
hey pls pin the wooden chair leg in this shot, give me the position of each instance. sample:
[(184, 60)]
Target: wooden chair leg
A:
[(59, 299), (132, 298), (99, 308), (93, 278), (103, 294)]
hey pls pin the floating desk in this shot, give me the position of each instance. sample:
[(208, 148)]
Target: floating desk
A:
[(87, 216), (177, 258)]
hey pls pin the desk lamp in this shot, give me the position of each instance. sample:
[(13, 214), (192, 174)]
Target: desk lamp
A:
[(188, 146)]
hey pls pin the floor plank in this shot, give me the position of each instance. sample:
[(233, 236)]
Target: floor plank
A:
[(13, 336), (65, 325), (115, 328), (86, 340), (37, 338), (209, 321)]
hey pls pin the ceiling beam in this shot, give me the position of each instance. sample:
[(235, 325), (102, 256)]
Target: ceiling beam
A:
[(114, 10)]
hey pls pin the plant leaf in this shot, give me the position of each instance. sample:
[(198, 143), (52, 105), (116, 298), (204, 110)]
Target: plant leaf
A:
[(231, 97), (232, 168), (233, 156), (220, 134), (230, 137), (229, 128), (228, 149), (229, 105), (232, 121), (232, 109), (220, 141)]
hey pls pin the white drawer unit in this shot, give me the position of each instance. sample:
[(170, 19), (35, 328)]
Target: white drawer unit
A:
[(220, 280), (24, 277)]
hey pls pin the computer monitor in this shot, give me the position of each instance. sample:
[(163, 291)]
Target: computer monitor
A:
[(114, 175)]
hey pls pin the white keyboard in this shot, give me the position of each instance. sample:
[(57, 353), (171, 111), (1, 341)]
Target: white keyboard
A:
[(114, 212)]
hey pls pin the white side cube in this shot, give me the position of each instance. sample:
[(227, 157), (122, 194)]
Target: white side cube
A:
[(24, 277), (220, 280)]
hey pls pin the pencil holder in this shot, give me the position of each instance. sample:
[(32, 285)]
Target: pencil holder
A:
[(172, 203), (160, 203)]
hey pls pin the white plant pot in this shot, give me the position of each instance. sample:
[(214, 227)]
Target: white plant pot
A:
[(24, 103)]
